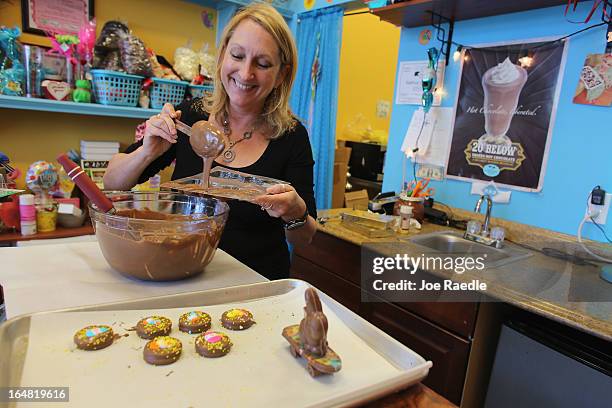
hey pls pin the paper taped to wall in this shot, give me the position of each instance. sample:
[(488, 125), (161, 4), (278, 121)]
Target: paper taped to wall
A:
[(435, 137)]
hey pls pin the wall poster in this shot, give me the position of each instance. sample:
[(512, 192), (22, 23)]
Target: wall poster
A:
[(505, 112)]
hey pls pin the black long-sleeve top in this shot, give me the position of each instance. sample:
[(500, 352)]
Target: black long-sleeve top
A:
[(250, 235)]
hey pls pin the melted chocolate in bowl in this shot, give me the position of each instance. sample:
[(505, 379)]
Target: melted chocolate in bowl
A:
[(174, 241)]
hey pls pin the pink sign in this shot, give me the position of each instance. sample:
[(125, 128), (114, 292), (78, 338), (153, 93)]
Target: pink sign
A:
[(63, 16)]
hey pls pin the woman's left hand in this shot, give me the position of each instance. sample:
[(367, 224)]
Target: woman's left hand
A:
[(282, 201)]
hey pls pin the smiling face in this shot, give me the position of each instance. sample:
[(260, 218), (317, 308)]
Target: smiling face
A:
[(251, 67)]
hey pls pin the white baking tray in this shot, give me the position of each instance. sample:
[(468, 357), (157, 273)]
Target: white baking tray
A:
[(37, 350)]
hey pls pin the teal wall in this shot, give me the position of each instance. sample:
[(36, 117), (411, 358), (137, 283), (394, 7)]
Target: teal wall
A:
[(581, 148)]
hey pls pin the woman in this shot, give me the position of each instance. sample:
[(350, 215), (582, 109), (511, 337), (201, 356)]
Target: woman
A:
[(255, 71)]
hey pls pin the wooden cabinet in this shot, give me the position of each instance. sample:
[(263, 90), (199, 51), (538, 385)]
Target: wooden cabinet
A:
[(341, 290), (449, 353), (440, 332)]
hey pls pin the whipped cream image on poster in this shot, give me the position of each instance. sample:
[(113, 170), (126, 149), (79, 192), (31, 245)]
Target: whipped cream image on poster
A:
[(502, 86), (505, 113)]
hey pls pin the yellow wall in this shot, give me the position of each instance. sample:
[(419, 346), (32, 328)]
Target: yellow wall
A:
[(367, 71), (163, 25), (28, 136)]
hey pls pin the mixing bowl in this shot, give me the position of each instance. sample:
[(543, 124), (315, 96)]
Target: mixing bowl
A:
[(159, 236)]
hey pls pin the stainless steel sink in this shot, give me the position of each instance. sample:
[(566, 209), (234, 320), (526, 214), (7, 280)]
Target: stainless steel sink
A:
[(453, 244)]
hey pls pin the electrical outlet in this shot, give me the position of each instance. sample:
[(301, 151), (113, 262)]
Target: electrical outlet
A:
[(383, 108), (603, 210)]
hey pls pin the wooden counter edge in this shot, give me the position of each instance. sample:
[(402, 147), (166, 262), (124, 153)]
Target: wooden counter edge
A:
[(60, 232)]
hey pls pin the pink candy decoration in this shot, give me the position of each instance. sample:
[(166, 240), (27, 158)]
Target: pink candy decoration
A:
[(212, 337), (87, 39)]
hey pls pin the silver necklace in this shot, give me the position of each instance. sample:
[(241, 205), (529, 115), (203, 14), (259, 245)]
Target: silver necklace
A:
[(229, 154)]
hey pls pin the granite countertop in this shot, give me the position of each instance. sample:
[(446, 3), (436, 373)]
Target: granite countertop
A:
[(571, 294)]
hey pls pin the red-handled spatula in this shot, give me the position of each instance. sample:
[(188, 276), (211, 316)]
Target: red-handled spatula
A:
[(86, 184)]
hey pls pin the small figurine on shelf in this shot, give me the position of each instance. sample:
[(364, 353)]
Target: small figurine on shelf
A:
[(309, 338), (82, 93), (428, 80)]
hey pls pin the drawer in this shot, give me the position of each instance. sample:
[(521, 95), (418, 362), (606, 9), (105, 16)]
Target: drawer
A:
[(336, 255), (341, 290), (448, 352)]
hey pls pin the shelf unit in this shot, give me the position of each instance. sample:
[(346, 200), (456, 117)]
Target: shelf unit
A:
[(47, 105), (60, 232), (415, 13)]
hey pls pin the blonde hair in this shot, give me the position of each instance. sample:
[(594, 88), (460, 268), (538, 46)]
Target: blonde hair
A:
[(277, 115)]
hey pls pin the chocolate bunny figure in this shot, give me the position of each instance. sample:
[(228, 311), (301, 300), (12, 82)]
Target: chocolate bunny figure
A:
[(313, 327)]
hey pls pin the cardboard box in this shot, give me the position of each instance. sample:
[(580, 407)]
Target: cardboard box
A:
[(356, 200), (341, 160)]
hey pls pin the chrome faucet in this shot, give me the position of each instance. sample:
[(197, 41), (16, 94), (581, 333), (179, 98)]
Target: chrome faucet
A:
[(484, 236), (485, 227)]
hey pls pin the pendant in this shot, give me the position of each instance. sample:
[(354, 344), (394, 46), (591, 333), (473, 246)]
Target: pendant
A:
[(228, 156)]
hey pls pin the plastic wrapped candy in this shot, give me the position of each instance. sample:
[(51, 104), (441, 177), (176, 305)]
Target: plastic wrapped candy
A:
[(64, 45), (8, 42), (12, 75), (134, 56), (112, 62), (41, 177), (12, 80), (110, 35), (207, 63), (186, 62), (160, 70), (108, 42), (87, 40)]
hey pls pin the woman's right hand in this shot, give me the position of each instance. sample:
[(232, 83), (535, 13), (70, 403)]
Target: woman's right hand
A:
[(160, 132)]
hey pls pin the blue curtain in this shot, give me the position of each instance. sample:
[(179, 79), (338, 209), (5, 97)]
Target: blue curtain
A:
[(314, 98)]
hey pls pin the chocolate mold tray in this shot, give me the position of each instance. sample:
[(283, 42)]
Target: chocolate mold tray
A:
[(225, 183), (38, 348)]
